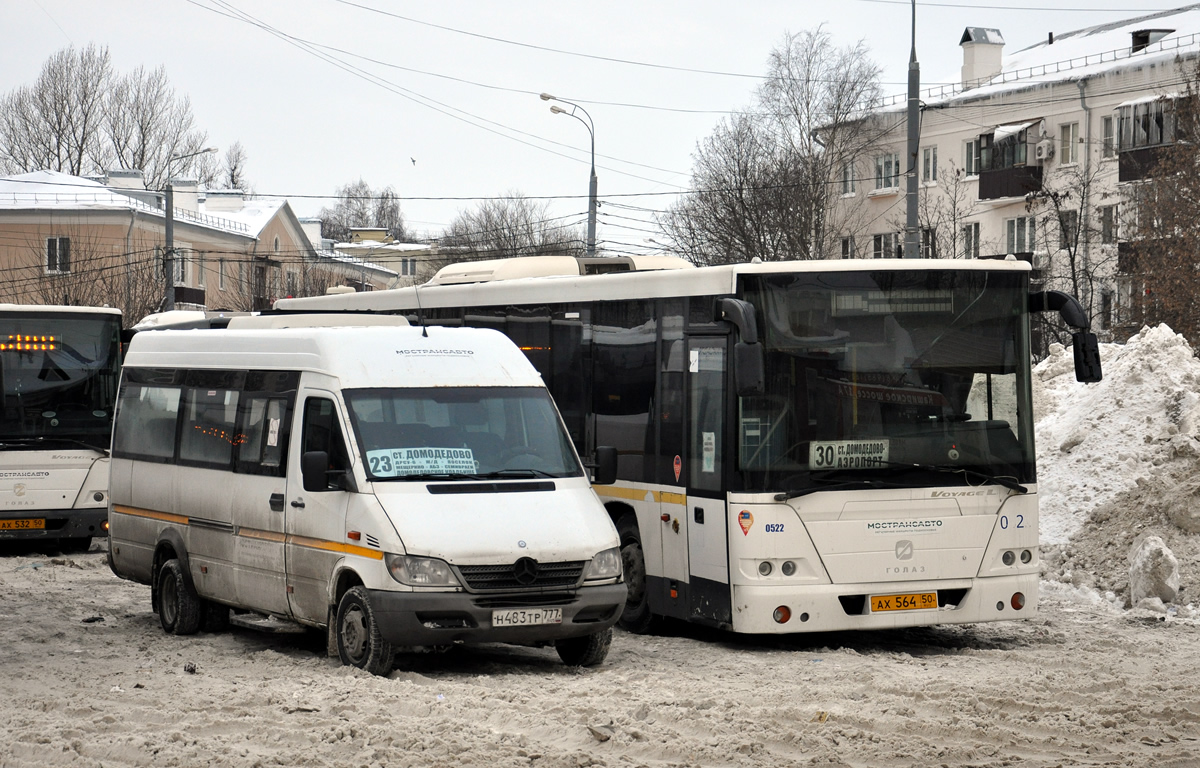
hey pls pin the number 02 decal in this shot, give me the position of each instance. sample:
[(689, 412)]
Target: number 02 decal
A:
[(1004, 522)]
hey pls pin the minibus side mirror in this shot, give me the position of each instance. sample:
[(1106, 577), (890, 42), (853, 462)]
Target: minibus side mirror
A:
[(605, 467), (1087, 357), (317, 476)]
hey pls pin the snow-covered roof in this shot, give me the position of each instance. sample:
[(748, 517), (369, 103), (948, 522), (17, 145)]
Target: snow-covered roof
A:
[(1080, 54), (53, 190)]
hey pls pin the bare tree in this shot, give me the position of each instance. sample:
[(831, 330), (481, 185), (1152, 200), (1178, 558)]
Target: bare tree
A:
[(234, 175), (57, 122), (360, 206), (146, 123), (81, 118), (761, 182), (511, 226)]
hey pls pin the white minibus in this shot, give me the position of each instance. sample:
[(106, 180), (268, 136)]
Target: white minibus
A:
[(399, 487)]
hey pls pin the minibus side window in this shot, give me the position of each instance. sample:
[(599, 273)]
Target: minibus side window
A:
[(209, 427), (322, 432), (263, 435), (146, 427)]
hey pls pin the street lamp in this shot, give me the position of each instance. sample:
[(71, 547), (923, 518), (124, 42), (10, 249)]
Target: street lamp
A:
[(169, 251), (591, 227)]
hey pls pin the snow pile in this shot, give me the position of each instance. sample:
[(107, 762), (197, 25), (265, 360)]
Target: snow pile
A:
[(1118, 460)]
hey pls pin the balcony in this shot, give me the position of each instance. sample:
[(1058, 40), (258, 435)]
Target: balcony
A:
[(1017, 181), (1137, 164)]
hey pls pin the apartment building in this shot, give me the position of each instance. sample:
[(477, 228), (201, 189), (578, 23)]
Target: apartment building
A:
[(71, 240), (1033, 154)]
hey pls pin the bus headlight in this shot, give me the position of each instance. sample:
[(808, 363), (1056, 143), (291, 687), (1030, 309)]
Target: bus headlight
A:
[(605, 565), (420, 571)]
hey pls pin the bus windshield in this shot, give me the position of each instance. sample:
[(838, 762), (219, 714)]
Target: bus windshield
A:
[(418, 433), (59, 375), (884, 379)]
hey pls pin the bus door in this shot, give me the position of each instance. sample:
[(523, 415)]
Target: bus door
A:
[(706, 559)]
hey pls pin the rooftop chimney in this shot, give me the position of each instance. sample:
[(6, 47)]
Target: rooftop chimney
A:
[(982, 50)]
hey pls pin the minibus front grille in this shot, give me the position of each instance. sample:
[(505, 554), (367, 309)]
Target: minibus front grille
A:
[(525, 574)]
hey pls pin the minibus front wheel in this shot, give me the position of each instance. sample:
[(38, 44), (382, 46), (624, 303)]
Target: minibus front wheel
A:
[(359, 642), (587, 651)]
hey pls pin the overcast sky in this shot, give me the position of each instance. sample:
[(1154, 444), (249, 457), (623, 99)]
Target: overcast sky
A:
[(439, 99)]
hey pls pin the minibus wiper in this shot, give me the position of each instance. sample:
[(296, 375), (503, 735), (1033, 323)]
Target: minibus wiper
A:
[(1006, 482), (501, 473), (435, 476)]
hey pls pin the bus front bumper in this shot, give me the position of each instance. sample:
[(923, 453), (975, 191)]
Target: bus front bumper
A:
[(53, 524), (442, 618), (837, 607)]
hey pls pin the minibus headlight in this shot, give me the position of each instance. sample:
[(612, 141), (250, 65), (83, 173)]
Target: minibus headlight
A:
[(605, 565), (420, 571)]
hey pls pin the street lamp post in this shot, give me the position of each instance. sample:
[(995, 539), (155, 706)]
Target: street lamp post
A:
[(591, 226), (169, 250)]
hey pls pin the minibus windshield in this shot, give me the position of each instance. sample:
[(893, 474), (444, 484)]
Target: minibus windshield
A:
[(460, 432)]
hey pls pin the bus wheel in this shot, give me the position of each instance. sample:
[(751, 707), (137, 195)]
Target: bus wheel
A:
[(636, 617), (358, 640), (178, 604), (586, 651)]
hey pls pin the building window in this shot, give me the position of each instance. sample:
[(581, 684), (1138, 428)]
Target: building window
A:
[(200, 269), (929, 248), (1146, 124), (1109, 140), (886, 246), (848, 187), (1108, 224), (408, 267), (1068, 223), (179, 265), (291, 284), (58, 255), (1106, 310), (221, 274), (1068, 139), (887, 171), (971, 157), (276, 245), (970, 241), (1020, 234), (929, 164), (1009, 151), (848, 251)]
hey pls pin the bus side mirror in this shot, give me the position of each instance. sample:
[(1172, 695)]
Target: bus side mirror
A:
[(1087, 357), (749, 371), (605, 469)]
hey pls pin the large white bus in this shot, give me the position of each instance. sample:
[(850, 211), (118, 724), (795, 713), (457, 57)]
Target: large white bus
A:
[(803, 446), (58, 372)]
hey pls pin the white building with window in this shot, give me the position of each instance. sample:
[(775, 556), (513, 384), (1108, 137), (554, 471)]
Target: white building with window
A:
[(1034, 153)]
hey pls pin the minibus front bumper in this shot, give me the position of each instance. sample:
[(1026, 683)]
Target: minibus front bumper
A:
[(440, 618)]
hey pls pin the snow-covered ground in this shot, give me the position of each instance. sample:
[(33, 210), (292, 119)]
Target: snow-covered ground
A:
[(89, 678)]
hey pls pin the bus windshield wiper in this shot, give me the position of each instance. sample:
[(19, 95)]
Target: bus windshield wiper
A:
[(419, 476), (1000, 480), (847, 485), (38, 442)]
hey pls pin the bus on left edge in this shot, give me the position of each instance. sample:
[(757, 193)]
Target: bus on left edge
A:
[(59, 369)]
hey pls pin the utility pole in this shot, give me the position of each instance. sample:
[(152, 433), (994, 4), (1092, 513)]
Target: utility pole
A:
[(912, 234)]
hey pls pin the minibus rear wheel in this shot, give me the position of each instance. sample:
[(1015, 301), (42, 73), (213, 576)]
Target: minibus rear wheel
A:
[(586, 651), (178, 604), (359, 642)]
